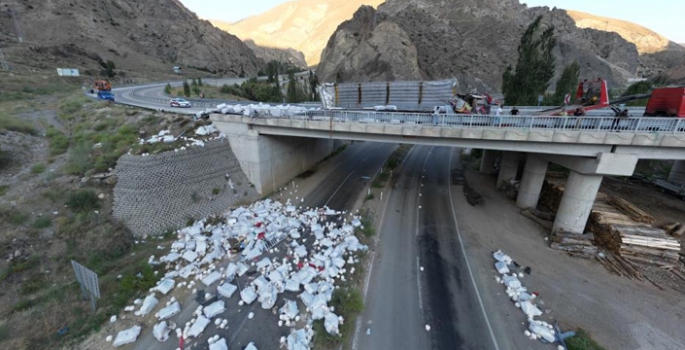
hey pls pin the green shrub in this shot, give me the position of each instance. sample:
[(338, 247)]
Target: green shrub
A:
[(582, 341), (3, 189), (348, 303), (5, 158), (83, 200), (17, 217), (38, 168), (42, 222), (80, 160), (59, 143), (11, 123), (216, 191)]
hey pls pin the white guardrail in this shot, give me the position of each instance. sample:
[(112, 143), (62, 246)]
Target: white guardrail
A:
[(636, 124)]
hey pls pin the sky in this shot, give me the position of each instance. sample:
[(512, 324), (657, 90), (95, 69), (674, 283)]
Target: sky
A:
[(663, 16)]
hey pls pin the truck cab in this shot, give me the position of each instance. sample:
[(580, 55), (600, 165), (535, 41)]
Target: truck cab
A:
[(106, 95)]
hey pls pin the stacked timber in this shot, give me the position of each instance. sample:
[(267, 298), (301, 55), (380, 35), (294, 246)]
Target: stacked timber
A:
[(629, 209), (552, 191), (574, 244)]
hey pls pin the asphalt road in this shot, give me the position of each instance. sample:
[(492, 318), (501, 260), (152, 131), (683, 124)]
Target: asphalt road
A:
[(417, 231), (339, 191)]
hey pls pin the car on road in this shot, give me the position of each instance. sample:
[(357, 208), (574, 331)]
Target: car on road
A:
[(106, 95), (179, 102)]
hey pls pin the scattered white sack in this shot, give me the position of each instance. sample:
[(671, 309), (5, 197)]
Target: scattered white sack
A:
[(165, 286), (226, 290), (267, 296), (211, 278), (331, 323), (298, 340), (198, 326), (251, 346), (542, 331), (214, 309), (501, 267), (289, 309), (511, 282), (428, 327), (242, 269), (248, 295), (218, 345), (250, 315), (499, 256), (148, 305), (113, 319), (189, 256), (169, 311), (529, 309), (127, 336), (161, 332)]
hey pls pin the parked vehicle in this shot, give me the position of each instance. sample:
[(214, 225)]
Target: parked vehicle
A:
[(102, 85), (666, 102), (179, 102), (106, 95)]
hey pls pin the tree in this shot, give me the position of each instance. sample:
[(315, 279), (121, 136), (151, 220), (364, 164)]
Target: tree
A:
[(199, 81), (186, 89), (167, 89), (108, 68), (534, 68), (292, 95), (641, 87), (313, 85), (194, 82), (196, 90), (567, 84)]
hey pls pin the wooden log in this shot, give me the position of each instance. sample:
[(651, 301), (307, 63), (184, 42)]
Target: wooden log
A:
[(631, 210), (542, 215), (571, 240), (679, 232), (669, 228), (653, 262), (544, 223)]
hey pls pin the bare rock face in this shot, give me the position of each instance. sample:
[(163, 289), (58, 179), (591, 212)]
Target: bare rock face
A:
[(472, 41), (379, 52), (136, 35)]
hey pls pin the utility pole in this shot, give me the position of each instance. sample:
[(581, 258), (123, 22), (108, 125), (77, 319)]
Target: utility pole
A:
[(17, 28)]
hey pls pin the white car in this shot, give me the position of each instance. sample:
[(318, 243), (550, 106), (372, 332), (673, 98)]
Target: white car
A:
[(179, 102)]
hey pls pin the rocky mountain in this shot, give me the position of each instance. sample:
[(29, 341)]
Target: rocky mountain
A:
[(303, 25), (472, 40), (267, 54), (646, 40), (141, 36)]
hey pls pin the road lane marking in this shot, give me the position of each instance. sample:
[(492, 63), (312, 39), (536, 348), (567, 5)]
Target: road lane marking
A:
[(339, 187), (418, 282), (463, 250)]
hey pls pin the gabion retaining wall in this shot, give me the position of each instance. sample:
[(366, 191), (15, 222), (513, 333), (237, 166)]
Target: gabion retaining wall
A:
[(159, 192)]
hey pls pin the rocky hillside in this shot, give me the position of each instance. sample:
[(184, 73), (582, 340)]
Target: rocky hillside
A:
[(267, 54), (151, 35), (473, 42), (303, 25), (646, 40)]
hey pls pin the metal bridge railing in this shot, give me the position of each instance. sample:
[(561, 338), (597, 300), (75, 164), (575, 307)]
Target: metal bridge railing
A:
[(635, 125)]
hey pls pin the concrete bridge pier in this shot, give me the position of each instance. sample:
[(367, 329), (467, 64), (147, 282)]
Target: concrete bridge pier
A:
[(487, 162), (576, 203), (677, 174), (509, 167), (531, 182)]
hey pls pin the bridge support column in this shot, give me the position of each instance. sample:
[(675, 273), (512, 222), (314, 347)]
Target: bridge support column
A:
[(677, 174), (509, 167), (576, 203), (487, 162), (531, 182)]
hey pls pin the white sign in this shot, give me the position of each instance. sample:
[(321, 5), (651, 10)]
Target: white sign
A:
[(67, 72)]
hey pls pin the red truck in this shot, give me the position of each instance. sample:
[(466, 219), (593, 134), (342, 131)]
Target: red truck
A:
[(666, 102)]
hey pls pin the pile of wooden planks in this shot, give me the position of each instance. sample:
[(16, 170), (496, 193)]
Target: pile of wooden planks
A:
[(618, 265), (552, 191), (640, 244), (574, 244), (629, 209)]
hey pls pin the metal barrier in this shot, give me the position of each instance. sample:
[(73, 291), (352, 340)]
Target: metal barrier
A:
[(636, 125)]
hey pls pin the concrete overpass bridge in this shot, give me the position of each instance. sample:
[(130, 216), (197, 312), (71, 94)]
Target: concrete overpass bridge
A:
[(273, 150)]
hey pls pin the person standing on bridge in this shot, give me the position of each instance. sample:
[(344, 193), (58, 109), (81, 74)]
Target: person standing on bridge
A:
[(498, 116), (616, 124), (514, 111)]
